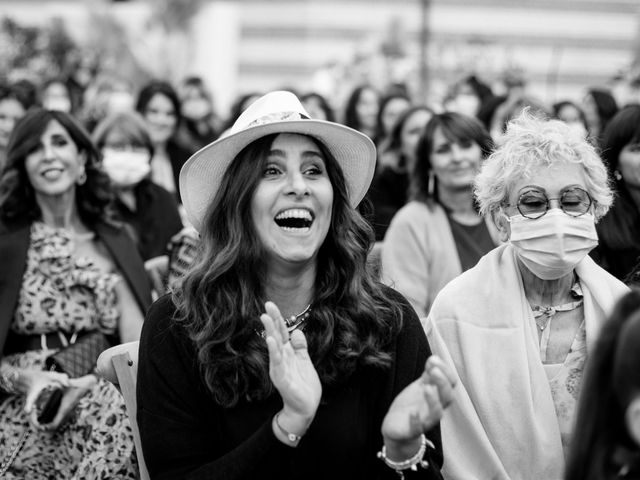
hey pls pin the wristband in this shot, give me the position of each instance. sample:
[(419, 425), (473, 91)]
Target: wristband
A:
[(292, 437)]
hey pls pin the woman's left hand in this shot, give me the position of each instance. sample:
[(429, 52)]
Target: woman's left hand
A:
[(418, 408), (78, 388)]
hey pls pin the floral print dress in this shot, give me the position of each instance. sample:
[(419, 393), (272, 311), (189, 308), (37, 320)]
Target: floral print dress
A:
[(66, 294)]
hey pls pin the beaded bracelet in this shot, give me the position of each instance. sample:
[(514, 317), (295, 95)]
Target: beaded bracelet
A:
[(411, 463)]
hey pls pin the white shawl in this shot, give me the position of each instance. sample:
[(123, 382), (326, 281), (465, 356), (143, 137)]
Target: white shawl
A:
[(502, 424)]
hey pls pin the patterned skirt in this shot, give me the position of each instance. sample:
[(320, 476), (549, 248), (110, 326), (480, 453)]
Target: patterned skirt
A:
[(96, 442)]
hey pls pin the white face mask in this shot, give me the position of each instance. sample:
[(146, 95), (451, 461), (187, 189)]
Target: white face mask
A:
[(551, 246), (578, 128), (467, 104), (126, 168)]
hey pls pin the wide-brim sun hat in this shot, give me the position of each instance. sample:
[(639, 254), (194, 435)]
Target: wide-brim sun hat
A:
[(275, 112)]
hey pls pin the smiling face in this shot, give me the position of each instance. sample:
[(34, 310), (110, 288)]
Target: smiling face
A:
[(292, 205), (161, 118), (55, 165), (455, 163)]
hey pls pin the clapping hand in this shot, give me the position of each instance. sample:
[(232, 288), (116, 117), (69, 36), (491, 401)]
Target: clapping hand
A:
[(291, 371), (417, 409)]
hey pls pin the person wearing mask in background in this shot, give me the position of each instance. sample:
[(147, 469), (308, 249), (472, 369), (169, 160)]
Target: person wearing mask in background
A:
[(571, 114), (619, 230), (361, 110), (159, 105), (56, 94), (149, 210), (13, 105), (200, 125), (606, 443), (518, 327), (439, 233), (68, 271), (390, 187), (599, 107)]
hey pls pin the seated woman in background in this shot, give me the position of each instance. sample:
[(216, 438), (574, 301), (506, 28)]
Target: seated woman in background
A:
[(361, 110), (226, 390), (606, 441), (392, 106), (517, 328), (619, 230), (67, 271), (571, 114), (148, 209), (159, 105), (439, 233), (390, 187)]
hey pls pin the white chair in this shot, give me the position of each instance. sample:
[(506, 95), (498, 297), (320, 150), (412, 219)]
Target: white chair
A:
[(119, 365)]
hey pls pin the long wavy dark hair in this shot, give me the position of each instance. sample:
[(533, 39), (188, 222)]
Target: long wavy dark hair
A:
[(353, 320), (600, 421), (17, 196), (456, 127)]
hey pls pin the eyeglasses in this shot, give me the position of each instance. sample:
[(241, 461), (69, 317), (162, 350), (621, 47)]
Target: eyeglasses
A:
[(534, 203)]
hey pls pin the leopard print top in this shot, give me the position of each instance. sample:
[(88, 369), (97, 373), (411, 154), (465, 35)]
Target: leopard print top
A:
[(62, 292)]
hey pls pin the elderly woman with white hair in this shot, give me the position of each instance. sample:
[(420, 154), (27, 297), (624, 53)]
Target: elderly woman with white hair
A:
[(517, 327)]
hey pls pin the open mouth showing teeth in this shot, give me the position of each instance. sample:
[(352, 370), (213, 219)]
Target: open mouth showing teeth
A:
[(295, 218)]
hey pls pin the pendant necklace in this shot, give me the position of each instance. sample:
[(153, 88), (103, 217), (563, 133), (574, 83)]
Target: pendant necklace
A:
[(294, 322)]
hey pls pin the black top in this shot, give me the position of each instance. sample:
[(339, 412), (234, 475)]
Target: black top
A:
[(155, 220), (388, 194), (472, 242), (186, 435)]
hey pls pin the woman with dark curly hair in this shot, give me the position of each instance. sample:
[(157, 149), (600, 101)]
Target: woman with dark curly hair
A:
[(67, 271), (607, 435), (337, 366)]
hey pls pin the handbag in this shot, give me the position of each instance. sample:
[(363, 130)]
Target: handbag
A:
[(76, 360), (79, 358)]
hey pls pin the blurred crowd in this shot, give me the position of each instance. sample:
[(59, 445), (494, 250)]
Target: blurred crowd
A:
[(425, 206)]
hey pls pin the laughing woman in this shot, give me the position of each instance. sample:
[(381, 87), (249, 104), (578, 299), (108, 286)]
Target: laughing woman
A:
[(280, 356)]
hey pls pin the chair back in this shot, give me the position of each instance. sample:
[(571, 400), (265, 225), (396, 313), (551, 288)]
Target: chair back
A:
[(119, 365)]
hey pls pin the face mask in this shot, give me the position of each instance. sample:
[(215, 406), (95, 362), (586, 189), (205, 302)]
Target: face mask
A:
[(551, 246), (61, 104), (467, 104), (126, 168), (195, 109), (578, 128)]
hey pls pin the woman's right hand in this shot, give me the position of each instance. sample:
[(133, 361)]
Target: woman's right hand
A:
[(291, 372), (32, 383)]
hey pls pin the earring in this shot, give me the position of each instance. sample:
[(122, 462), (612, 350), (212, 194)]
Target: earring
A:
[(431, 185), (617, 175), (82, 177)]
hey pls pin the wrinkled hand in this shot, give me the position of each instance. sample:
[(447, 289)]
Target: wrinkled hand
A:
[(419, 407), (290, 367), (75, 389)]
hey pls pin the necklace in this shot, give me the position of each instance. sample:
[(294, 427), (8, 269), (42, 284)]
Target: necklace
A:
[(294, 322), (543, 314)]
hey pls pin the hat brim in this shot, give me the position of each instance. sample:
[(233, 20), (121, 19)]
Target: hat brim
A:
[(202, 174)]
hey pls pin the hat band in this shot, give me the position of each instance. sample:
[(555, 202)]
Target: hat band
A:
[(277, 117)]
